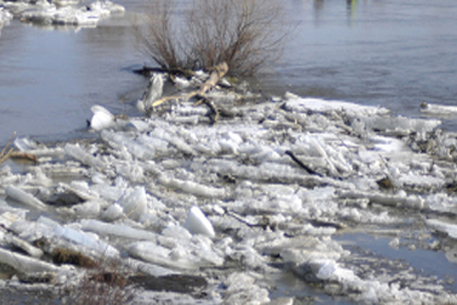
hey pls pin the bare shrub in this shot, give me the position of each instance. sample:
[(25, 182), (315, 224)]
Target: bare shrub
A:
[(246, 34)]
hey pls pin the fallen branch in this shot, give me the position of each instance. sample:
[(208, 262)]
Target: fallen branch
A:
[(23, 155), (301, 164)]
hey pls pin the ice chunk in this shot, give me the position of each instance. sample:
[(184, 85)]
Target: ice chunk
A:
[(8, 214), (327, 269), (120, 141), (75, 151), (78, 237), (101, 118), (442, 203), (173, 139), (176, 232), (112, 213), (242, 289), (157, 254), (197, 223), (153, 92), (117, 230), (134, 203), (299, 104), (438, 110), (25, 144), (399, 125), (442, 226), (5, 17), (87, 209), (192, 187), (399, 199), (24, 263), (24, 197), (22, 244), (48, 14)]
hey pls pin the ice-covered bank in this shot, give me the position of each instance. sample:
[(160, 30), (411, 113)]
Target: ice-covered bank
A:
[(225, 199)]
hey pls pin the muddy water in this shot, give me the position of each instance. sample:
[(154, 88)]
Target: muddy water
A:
[(391, 53)]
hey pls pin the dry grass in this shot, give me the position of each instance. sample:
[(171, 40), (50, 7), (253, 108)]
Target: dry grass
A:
[(246, 34), (105, 284), (6, 153)]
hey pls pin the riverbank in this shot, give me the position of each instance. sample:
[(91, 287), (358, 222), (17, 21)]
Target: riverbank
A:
[(284, 182)]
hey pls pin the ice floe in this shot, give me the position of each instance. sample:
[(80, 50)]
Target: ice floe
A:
[(59, 13), (272, 188)]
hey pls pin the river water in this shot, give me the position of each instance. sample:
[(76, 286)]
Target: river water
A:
[(396, 54)]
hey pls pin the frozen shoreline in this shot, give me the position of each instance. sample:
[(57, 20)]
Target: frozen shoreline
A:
[(129, 196)]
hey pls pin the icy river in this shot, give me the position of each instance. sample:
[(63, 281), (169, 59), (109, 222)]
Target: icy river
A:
[(326, 183)]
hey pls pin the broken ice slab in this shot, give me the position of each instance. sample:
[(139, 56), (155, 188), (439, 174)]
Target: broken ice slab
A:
[(121, 141), (300, 104), (79, 237), (112, 213), (437, 110), (197, 223), (50, 14), (134, 203), (442, 203), (442, 226), (151, 269), (397, 200), (22, 244), (24, 197), (120, 230), (77, 152), (242, 289), (191, 187), (88, 209), (152, 93), (399, 125), (24, 263), (6, 209), (173, 139), (156, 254), (5, 16)]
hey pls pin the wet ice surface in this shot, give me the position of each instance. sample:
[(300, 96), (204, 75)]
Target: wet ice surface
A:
[(276, 191)]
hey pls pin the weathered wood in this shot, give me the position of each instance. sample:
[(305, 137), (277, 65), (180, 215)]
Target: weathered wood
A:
[(23, 155), (214, 77)]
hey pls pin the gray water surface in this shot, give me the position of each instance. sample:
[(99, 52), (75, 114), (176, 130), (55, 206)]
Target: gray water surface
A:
[(396, 54)]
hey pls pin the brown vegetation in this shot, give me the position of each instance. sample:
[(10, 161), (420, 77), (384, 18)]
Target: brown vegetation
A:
[(66, 256), (106, 284), (6, 153), (245, 34)]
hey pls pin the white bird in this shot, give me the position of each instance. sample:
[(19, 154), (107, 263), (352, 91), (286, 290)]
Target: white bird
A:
[(153, 92)]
